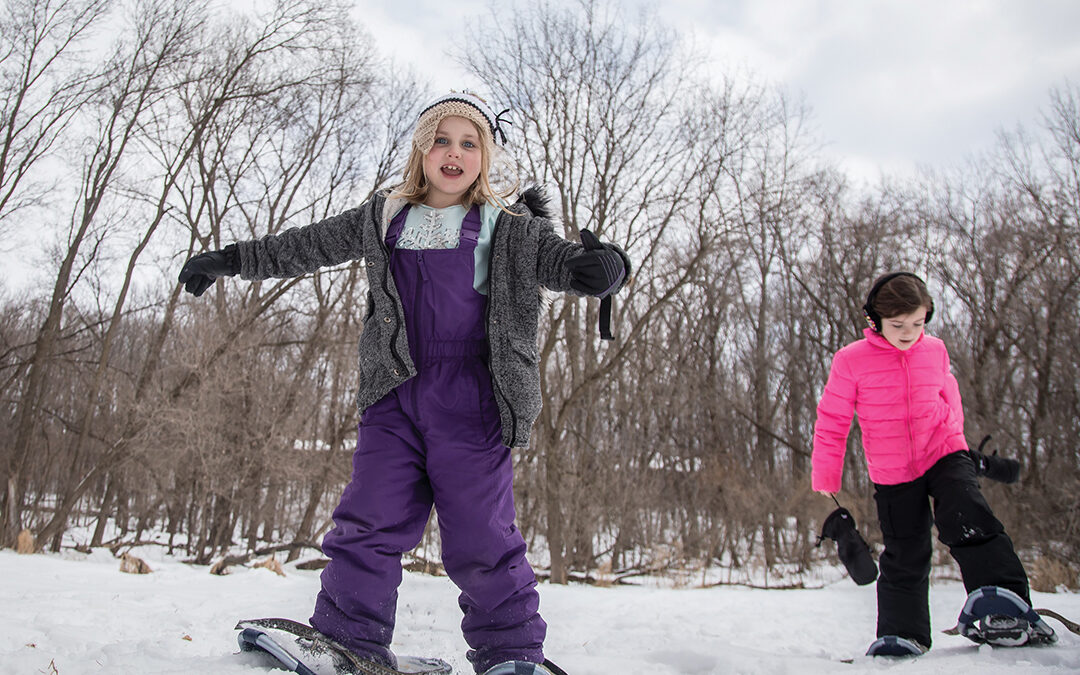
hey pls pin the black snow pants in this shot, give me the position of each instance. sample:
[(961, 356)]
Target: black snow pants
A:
[(965, 523)]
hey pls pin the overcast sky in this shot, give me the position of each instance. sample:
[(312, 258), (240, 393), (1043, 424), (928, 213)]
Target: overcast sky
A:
[(892, 84)]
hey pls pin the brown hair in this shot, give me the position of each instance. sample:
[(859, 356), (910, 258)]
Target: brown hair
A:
[(901, 295)]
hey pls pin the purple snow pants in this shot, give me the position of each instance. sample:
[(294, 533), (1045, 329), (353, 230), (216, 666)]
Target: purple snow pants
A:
[(434, 440)]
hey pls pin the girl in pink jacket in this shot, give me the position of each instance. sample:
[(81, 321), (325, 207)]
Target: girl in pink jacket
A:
[(897, 380)]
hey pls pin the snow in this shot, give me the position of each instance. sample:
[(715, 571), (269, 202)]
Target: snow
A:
[(72, 613)]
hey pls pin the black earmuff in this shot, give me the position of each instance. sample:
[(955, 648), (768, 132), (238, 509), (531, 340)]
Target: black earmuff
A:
[(873, 319)]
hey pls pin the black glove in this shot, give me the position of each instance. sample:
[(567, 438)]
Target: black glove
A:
[(599, 270), (851, 548), (1001, 469), (199, 273)]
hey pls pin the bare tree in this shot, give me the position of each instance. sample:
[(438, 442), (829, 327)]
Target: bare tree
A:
[(170, 92), (226, 421), (42, 86), (603, 103)]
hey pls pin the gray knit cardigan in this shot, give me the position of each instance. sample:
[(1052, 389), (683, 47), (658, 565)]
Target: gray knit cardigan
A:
[(525, 255)]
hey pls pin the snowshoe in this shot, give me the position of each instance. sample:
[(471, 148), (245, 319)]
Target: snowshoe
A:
[(306, 651), (894, 645), (999, 617), (525, 668)]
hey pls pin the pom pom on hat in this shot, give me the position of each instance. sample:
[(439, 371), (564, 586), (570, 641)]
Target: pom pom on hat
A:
[(460, 104)]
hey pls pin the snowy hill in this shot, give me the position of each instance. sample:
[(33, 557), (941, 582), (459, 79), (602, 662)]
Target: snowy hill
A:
[(70, 614)]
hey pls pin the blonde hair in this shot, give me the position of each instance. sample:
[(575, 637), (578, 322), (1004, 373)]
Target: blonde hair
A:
[(415, 186)]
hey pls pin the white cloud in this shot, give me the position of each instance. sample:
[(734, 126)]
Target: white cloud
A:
[(895, 84), (425, 35)]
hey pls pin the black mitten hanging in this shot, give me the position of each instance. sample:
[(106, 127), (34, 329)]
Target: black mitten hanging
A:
[(851, 548)]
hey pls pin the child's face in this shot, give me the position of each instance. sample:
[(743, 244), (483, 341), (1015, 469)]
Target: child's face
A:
[(453, 163), (904, 330)]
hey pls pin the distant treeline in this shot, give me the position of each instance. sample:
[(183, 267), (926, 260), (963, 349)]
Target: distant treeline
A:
[(228, 420)]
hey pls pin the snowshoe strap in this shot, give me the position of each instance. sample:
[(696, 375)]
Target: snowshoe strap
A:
[(1072, 626), (555, 670)]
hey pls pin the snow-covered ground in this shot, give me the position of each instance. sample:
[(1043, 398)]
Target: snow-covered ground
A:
[(71, 613)]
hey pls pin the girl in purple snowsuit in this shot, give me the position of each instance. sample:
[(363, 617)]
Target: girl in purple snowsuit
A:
[(449, 379)]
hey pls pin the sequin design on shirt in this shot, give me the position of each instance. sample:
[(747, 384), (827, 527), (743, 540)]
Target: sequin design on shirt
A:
[(433, 230)]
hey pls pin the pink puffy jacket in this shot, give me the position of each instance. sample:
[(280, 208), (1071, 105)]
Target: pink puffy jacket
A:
[(909, 410)]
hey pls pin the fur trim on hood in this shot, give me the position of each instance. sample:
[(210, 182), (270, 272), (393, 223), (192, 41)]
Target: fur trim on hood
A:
[(535, 197)]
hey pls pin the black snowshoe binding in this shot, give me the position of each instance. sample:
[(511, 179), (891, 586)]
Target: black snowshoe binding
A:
[(999, 617), (894, 645), (525, 668)]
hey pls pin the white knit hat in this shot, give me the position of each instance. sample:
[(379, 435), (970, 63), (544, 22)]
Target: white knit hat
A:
[(460, 104)]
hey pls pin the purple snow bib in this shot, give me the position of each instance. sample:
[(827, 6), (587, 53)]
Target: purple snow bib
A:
[(436, 439), (444, 314)]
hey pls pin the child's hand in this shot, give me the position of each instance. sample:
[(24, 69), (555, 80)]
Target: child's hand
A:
[(598, 271), (199, 273)]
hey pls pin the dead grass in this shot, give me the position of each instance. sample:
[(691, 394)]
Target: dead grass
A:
[(1048, 574)]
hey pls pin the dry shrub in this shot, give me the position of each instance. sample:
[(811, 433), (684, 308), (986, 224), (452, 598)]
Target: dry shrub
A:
[(133, 565), (220, 568), (1049, 573), (605, 576), (271, 564), (24, 544), (316, 564)]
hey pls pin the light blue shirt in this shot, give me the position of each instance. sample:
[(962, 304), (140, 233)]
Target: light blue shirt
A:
[(428, 228)]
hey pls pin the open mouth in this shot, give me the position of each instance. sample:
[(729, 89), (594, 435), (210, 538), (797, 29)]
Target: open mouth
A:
[(451, 170)]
